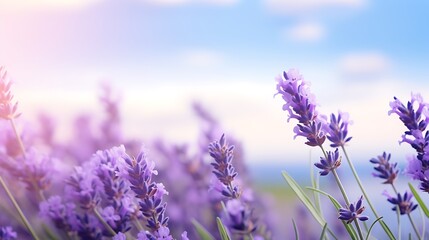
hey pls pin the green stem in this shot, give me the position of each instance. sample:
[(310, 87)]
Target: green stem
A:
[(138, 224), (343, 192), (414, 226), (105, 224), (18, 209), (385, 228), (337, 179), (18, 137), (340, 186), (358, 229), (409, 216)]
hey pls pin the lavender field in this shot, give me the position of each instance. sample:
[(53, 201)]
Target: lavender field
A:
[(214, 119)]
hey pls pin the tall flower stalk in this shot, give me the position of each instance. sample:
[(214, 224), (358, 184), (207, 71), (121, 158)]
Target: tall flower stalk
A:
[(337, 132), (388, 171), (8, 111), (300, 105), (238, 215), (415, 116)]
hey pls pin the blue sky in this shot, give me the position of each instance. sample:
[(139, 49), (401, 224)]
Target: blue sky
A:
[(163, 54)]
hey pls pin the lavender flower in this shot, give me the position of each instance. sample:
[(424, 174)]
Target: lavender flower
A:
[(404, 203), (115, 187), (414, 168), (301, 105), (84, 188), (62, 215), (88, 227), (337, 130), (384, 168), (412, 119), (120, 236), (111, 125), (353, 212), (299, 101), (7, 233), (163, 233), (7, 108), (139, 173), (330, 163), (415, 116), (238, 217), (223, 169)]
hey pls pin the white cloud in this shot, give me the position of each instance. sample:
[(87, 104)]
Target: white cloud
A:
[(306, 31), (365, 63), (297, 7), (184, 2), (201, 58)]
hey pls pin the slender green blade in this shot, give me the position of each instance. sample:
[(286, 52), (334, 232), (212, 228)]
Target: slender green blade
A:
[(223, 233), (303, 197), (202, 231), (387, 230), (419, 200), (372, 225), (322, 235), (295, 229)]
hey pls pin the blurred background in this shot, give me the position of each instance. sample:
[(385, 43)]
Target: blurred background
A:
[(162, 55)]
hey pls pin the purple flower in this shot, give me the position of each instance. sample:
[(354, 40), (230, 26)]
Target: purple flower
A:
[(88, 227), (299, 101), (313, 132), (384, 168), (300, 105), (238, 217), (7, 108), (62, 215), (404, 203), (353, 212), (330, 163), (415, 116), (139, 174), (119, 236), (111, 125), (337, 129), (109, 215), (7, 233), (163, 233), (115, 188), (223, 154), (411, 118), (84, 188)]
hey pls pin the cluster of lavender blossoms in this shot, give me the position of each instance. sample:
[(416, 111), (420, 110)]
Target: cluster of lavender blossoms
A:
[(316, 128), (301, 105), (238, 215), (415, 116), (100, 184), (91, 187)]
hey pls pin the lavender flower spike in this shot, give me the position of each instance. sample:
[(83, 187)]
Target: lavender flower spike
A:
[(353, 212), (337, 129), (411, 118), (7, 108), (223, 169), (139, 173), (7, 233), (328, 164), (299, 101), (404, 203), (238, 217), (385, 169), (300, 105)]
